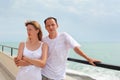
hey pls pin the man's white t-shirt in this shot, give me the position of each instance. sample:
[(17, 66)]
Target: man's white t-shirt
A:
[(57, 55)]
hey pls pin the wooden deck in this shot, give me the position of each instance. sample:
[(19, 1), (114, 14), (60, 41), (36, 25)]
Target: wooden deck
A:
[(5, 75), (8, 69)]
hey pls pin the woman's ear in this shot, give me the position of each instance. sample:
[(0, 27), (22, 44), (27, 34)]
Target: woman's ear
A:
[(38, 31)]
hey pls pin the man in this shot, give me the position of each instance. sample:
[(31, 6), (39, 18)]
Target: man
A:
[(59, 44)]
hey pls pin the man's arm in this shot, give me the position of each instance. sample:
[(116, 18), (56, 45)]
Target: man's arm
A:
[(90, 60)]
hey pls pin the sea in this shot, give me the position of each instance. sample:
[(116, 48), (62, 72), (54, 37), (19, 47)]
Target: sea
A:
[(106, 52)]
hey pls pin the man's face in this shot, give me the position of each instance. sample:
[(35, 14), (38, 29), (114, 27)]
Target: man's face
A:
[(51, 26)]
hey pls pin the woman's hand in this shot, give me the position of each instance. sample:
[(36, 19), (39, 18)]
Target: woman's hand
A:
[(21, 62), (25, 58)]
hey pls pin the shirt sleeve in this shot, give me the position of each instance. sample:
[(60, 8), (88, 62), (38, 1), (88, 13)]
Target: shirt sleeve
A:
[(71, 43)]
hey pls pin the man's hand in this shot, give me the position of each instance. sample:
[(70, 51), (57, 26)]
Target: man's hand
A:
[(92, 61)]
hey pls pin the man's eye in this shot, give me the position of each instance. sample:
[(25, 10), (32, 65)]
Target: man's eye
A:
[(52, 24)]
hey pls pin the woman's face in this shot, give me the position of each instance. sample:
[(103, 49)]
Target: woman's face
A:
[(31, 31)]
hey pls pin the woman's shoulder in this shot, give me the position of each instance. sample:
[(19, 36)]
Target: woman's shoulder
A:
[(21, 43)]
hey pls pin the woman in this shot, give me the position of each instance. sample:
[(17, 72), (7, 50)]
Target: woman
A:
[(33, 52)]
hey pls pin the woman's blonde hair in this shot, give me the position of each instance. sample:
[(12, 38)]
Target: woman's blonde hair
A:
[(37, 27)]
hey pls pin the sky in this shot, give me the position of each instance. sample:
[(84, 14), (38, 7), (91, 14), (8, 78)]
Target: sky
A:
[(84, 20)]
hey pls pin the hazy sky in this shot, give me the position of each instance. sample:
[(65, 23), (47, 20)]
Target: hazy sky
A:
[(85, 20)]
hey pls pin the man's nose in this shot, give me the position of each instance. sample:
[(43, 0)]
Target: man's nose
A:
[(51, 27)]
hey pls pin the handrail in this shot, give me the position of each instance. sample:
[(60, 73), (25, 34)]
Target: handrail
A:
[(99, 64), (114, 67), (12, 48)]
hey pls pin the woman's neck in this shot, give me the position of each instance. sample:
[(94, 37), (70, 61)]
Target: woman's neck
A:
[(33, 41)]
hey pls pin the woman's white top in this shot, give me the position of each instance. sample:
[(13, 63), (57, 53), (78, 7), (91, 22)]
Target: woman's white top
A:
[(30, 72)]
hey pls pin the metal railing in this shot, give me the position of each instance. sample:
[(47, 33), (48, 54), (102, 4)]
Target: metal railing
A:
[(108, 66), (11, 49), (99, 64)]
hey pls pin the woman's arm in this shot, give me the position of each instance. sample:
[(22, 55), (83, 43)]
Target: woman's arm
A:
[(18, 60), (21, 62), (20, 50), (42, 61)]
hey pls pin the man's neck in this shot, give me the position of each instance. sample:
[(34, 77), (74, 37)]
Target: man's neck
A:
[(54, 35)]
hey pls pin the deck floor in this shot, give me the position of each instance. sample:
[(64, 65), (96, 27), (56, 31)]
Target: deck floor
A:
[(4, 75)]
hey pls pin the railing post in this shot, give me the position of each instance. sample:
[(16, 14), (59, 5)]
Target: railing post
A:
[(11, 51), (2, 48)]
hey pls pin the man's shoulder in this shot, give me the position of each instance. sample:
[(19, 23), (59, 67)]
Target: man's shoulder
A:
[(64, 34), (44, 38)]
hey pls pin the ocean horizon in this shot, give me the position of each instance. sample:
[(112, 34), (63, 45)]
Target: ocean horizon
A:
[(106, 52)]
